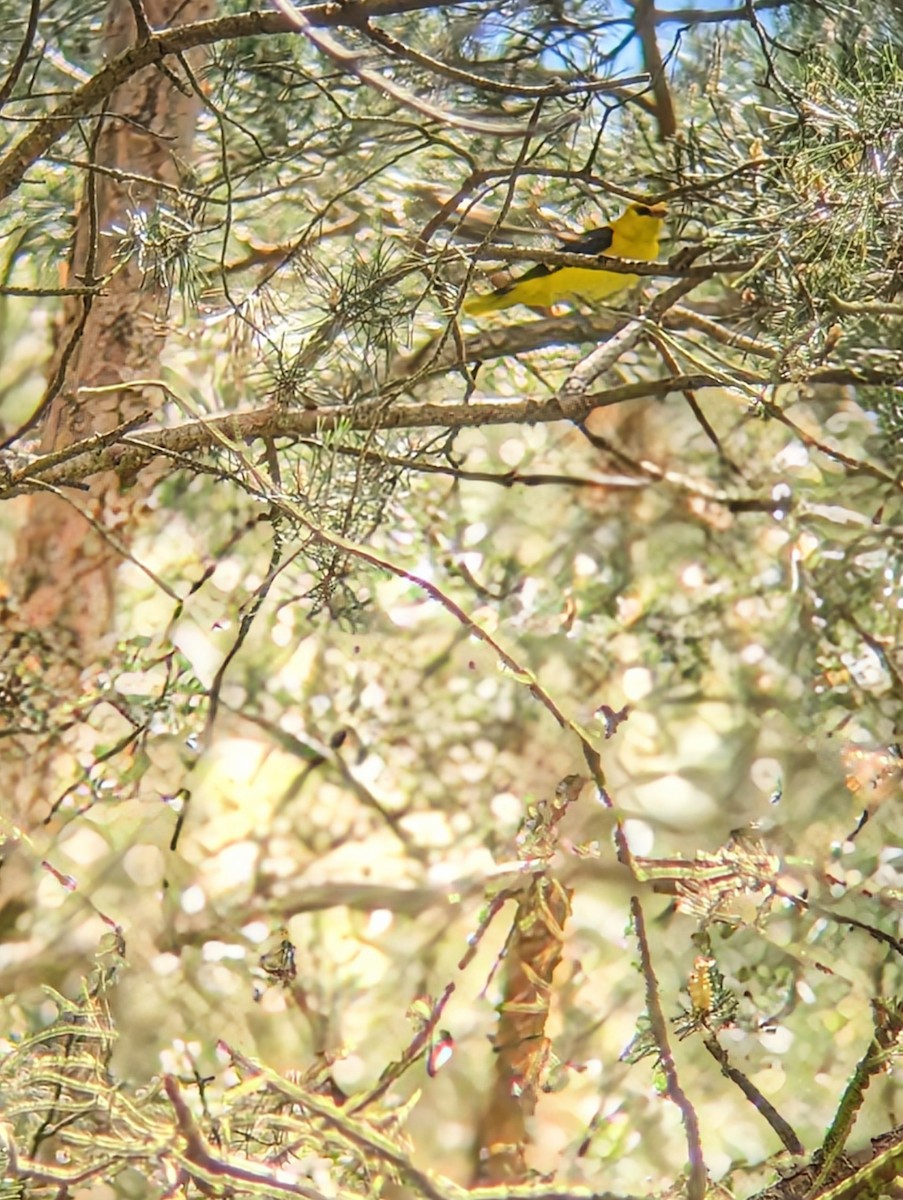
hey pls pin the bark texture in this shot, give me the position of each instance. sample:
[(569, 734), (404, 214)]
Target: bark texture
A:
[(72, 539), (142, 139)]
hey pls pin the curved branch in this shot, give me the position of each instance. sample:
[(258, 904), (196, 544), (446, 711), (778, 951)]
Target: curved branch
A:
[(86, 98)]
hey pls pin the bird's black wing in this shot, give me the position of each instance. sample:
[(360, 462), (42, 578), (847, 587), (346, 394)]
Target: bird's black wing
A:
[(594, 241)]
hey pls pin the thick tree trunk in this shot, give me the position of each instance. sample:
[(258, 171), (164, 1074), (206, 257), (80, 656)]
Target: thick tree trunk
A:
[(66, 567), (72, 542)]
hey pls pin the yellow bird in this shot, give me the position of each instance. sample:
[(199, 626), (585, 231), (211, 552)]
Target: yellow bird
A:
[(634, 234)]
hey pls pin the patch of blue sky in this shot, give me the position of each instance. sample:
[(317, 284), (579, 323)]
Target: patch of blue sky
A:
[(598, 39)]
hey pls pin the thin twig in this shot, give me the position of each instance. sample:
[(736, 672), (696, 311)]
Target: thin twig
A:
[(352, 62), (142, 25), (781, 1127), (6, 88), (696, 1187), (409, 1056), (91, 94), (559, 89), (690, 396)]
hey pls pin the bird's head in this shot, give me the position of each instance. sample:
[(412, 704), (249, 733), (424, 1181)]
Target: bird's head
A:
[(643, 212)]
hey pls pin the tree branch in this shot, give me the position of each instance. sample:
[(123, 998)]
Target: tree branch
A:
[(86, 458), (85, 99)]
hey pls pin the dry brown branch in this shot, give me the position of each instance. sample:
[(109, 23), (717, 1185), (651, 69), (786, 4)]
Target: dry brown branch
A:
[(644, 21), (87, 458), (781, 1127), (18, 63)]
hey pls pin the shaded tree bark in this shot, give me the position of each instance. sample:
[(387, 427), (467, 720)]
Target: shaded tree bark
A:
[(72, 541), (65, 566)]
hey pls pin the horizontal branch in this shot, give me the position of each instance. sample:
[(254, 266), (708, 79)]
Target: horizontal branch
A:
[(619, 266), (133, 450), (716, 16), (130, 451)]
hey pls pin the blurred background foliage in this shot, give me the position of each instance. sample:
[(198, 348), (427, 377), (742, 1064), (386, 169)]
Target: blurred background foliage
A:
[(282, 793)]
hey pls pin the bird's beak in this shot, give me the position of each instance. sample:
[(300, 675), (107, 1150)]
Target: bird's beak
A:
[(659, 210)]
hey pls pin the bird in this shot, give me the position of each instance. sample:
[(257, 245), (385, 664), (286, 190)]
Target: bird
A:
[(634, 234)]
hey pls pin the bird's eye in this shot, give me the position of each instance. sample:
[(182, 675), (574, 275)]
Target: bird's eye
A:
[(642, 210)]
